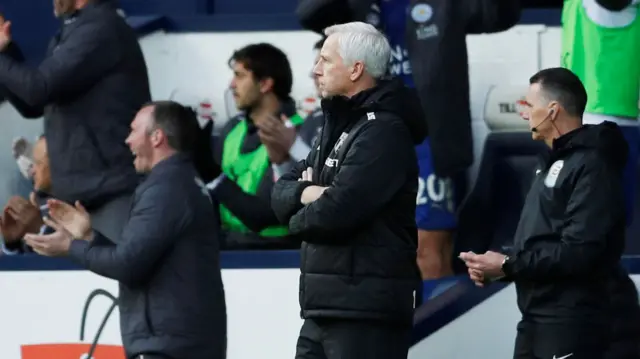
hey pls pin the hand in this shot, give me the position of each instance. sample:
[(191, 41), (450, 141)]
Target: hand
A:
[(312, 193), (307, 175), (12, 231), (5, 34), (490, 263), (26, 213), (477, 277), (276, 134), (277, 154), (51, 245), (75, 220)]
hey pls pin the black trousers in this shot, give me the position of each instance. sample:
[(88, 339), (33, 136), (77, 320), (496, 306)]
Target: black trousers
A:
[(560, 341), (352, 339)]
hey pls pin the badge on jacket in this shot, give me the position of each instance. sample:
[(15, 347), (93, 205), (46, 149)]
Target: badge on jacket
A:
[(554, 172), (421, 14)]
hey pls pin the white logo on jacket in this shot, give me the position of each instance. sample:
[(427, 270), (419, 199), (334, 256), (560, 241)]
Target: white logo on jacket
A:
[(343, 137), (554, 172)]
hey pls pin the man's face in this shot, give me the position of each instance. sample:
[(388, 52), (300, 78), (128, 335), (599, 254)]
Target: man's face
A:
[(246, 90), (316, 84), (535, 109), (40, 169), (139, 140), (332, 74), (63, 7)]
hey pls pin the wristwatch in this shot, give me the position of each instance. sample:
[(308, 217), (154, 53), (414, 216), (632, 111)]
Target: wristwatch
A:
[(504, 264)]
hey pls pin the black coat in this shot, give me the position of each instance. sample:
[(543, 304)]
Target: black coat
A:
[(171, 293), (89, 88), (360, 237), (571, 232)]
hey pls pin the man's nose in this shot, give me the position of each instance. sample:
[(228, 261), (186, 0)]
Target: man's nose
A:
[(317, 69)]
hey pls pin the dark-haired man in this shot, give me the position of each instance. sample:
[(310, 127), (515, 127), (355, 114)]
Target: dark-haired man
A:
[(167, 262), (571, 232), (254, 148)]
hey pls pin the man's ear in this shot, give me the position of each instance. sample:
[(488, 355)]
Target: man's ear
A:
[(266, 85), (357, 70)]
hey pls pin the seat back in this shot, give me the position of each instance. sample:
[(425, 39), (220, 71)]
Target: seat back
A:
[(488, 217)]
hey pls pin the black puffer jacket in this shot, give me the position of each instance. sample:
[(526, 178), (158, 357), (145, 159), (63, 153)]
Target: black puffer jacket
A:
[(359, 236)]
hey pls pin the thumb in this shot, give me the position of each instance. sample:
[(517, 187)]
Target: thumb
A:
[(80, 207), (32, 199), (51, 223), (467, 256)]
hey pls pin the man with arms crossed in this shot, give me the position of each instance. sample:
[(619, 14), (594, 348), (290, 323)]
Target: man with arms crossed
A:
[(571, 233), (167, 261), (352, 203)]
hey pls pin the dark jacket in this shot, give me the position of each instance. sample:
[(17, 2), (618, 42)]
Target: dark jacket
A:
[(438, 57), (89, 88), (168, 266), (310, 129), (14, 52), (253, 210), (360, 237), (571, 232)]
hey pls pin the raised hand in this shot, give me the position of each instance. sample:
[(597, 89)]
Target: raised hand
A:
[(74, 219)]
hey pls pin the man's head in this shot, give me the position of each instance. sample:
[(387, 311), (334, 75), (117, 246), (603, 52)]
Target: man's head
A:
[(554, 103), (68, 7), (316, 57), (159, 130), (40, 171), (352, 58), (260, 71)]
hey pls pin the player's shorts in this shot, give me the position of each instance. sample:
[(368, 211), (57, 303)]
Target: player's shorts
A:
[(435, 203)]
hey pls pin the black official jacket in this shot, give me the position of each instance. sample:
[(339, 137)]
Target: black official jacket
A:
[(167, 263), (571, 232), (89, 88), (438, 57), (359, 238)]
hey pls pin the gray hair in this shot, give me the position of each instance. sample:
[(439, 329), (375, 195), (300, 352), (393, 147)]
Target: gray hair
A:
[(359, 41)]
